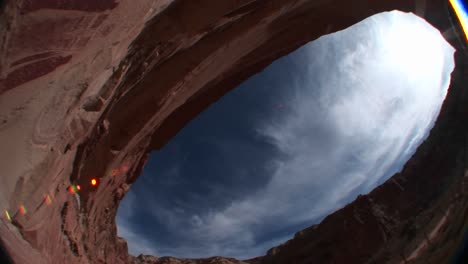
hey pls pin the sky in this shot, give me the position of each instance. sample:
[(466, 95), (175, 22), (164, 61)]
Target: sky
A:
[(292, 144)]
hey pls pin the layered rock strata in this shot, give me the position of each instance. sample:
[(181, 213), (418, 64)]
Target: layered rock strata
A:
[(88, 88)]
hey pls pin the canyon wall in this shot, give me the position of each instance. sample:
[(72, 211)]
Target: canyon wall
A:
[(88, 88)]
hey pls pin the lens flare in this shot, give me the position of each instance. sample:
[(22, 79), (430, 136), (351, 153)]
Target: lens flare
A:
[(124, 168), (47, 199), (115, 172), (72, 189), (462, 15), (7, 214), (94, 182), (23, 210)]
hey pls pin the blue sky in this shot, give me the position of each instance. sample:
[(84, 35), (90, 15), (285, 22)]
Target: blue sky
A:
[(292, 144)]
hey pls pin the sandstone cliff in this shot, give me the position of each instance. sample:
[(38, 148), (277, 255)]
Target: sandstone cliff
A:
[(88, 88)]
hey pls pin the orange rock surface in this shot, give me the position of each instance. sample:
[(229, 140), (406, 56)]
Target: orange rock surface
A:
[(88, 88)]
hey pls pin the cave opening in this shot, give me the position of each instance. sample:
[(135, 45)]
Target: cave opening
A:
[(332, 120)]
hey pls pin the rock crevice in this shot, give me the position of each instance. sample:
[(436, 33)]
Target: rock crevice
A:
[(88, 88)]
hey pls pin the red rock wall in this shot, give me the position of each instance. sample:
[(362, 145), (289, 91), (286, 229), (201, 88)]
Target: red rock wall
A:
[(134, 74), (82, 5)]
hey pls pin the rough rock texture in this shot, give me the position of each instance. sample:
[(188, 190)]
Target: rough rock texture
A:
[(88, 88)]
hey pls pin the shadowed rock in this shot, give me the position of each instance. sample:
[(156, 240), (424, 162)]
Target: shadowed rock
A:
[(154, 66)]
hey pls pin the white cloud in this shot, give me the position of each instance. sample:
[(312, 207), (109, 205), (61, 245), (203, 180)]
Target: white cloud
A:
[(362, 108), (137, 243)]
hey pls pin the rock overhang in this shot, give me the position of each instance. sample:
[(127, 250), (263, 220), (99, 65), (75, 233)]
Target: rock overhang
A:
[(182, 58)]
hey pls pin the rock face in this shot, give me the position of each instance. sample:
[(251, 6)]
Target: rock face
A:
[(88, 88)]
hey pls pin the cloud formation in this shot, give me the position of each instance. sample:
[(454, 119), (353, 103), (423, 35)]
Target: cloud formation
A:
[(353, 108), (137, 243)]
